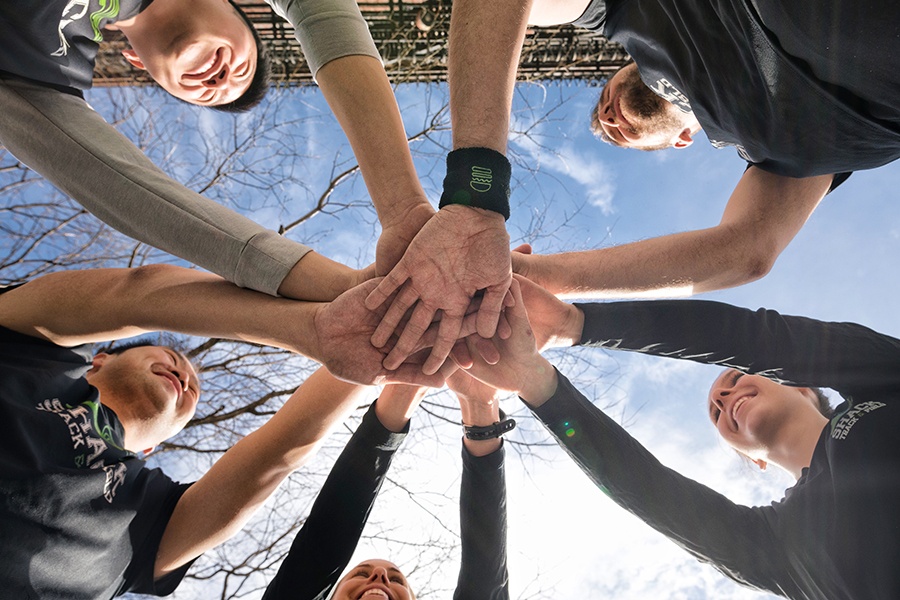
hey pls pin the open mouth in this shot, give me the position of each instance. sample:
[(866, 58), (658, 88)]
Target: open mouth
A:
[(209, 69), (176, 384), (737, 405), (374, 593)]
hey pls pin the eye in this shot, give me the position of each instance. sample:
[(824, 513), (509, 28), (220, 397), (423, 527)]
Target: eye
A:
[(361, 573), (396, 579), (715, 415)]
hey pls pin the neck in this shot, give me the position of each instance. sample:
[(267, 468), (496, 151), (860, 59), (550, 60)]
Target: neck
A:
[(795, 452)]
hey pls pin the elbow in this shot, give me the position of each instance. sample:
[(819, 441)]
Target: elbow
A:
[(755, 263)]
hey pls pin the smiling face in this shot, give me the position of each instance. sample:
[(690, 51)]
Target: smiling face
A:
[(202, 52), (751, 412), (374, 579), (151, 385), (630, 115)]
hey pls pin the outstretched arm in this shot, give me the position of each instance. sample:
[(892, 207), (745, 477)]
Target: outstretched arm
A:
[(328, 538), (76, 307), (343, 59), (485, 42), (223, 500), (736, 539), (62, 138), (482, 497), (763, 215)]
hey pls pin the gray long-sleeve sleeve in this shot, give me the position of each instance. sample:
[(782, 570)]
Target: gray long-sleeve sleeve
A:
[(62, 138), (327, 29)]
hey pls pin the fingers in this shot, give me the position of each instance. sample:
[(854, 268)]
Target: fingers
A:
[(516, 311), (395, 313), (461, 356), (486, 349), (388, 286), (503, 328), (448, 334), (412, 374), (523, 249), (418, 324), (489, 312)]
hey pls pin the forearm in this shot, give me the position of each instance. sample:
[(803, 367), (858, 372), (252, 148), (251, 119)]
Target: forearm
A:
[(59, 136), (763, 215), (117, 303), (681, 264), (482, 507), (224, 499), (345, 63), (485, 44), (736, 539), (317, 278), (357, 89), (788, 349)]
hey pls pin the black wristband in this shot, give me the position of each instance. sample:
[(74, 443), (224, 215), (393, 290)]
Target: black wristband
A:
[(489, 432), (477, 177)]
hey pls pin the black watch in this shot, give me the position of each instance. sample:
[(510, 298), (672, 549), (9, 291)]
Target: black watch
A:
[(489, 432)]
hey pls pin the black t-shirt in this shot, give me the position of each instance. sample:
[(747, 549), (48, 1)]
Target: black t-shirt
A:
[(799, 88), (55, 41), (836, 534), (79, 516)]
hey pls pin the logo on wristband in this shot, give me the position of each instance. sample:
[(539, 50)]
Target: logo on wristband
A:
[(482, 178)]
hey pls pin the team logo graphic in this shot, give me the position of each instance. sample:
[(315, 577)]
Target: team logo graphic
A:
[(76, 11)]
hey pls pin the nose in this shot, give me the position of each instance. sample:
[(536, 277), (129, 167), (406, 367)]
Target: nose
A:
[(379, 574), (719, 399), (218, 80), (608, 115), (183, 376)]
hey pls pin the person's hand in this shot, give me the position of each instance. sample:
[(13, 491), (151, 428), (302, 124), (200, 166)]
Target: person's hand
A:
[(397, 235), (474, 393), (458, 252), (556, 324), (343, 329), (521, 368)]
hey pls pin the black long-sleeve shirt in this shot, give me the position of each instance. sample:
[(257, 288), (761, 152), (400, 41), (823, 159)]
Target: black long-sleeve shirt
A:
[(836, 534), (326, 542)]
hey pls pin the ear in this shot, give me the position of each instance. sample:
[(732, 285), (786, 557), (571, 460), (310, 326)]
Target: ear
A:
[(684, 139), (98, 360), (133, 59), (760, 463)]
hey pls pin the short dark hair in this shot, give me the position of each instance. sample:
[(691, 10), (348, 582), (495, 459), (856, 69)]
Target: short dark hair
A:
[(262, 78)]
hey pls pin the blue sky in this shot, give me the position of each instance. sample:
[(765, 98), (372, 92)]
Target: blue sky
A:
[(566, 538)]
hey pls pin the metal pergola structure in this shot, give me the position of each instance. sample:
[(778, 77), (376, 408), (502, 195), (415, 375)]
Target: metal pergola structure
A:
[(411, 36)]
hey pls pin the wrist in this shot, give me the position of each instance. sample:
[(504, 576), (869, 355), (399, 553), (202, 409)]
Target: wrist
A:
[(480, 448), (390, 420), (541, 384), (479, 413), (573, 328), (318, 279), (478, 178), (410, 215)]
